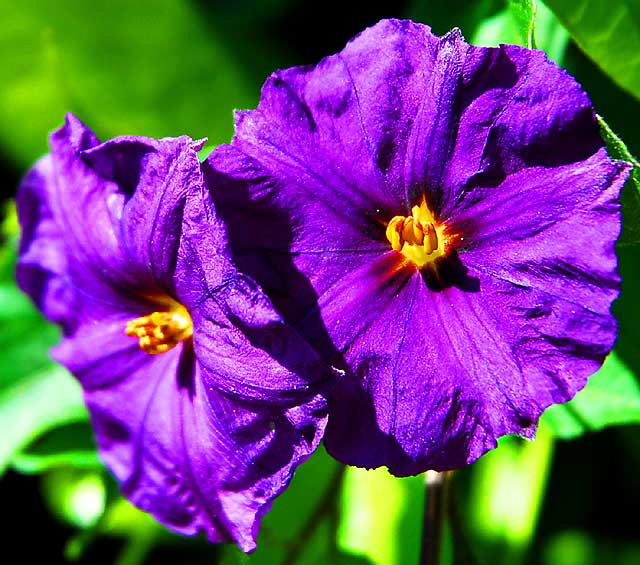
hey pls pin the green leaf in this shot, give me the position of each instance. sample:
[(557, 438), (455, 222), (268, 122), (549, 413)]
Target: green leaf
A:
[(612, 397), (64, 446), (524, 15), (499, 28), (551, 36), (506, 495), (631, 191), (381, 517), (35, 404), (35, 394), (145, 67), (504, 27), (25, 338), (76, 496), (608, 31)]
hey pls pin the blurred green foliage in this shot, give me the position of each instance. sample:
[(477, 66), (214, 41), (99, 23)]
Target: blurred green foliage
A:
[(171, 67), (609, 32), (612, 397), (148, 67), (35, 394)]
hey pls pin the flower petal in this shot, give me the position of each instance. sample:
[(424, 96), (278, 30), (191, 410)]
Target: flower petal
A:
[(119, 206), (287, 227), (437, 377), (504, 145), (154, 178), (199, 460), (207, 434), (243, 344), (340, 129), (43, 262), (569, 217)]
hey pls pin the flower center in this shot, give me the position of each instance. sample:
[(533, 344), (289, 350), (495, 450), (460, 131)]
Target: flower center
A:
[(418, 237), (161, 331)]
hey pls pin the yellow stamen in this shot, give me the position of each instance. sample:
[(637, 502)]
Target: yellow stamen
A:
[(161, 331), (418, 237)]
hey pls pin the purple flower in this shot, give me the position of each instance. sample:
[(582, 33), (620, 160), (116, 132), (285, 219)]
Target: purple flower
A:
[(203, 401), (439, 221)]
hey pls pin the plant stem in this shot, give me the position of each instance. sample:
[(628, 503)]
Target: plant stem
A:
[(435, 511)]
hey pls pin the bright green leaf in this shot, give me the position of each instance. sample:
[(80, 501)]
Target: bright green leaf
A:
[(25, 338), (499, 28), (76, 496), (150, 67), (551, 36), (503, 27), (612, 397), (29, 463), (524, 15), (608, 31), (506, 495), (631, 191), (69, 446), (35, 404), (35, 394), (381, 517)]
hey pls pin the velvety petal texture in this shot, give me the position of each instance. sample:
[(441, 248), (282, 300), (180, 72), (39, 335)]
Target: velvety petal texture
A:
[(205, 435), (505, 149)]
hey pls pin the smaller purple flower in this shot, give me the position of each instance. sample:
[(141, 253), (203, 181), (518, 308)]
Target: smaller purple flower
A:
[(202, 399), (438, 220)]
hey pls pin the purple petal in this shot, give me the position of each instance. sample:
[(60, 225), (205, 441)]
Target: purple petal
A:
[(247, 351), (199, 460), (155, 178), (119, 206), (569, 217), (207, 434), (43, 261), (437, 377), (506, 149), (244, 346), (286, 227)]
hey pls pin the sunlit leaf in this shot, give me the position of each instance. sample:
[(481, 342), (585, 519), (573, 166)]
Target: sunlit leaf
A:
[(506, 494), (612, 397), (551, 36), (34, 404), (609, 32), (146, 67), (64, 446), (499, 28), (444, 16), (75, 496), (504, 27), (524, 15), (381, 517)]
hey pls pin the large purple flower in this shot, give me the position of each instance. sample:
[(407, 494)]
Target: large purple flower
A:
[(203, 401), (439, 220)]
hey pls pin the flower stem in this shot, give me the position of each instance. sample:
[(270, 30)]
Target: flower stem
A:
[(435, 511)]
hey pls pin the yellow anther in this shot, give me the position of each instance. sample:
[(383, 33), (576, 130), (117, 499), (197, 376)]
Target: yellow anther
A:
[(161, 331), (418, 237)]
